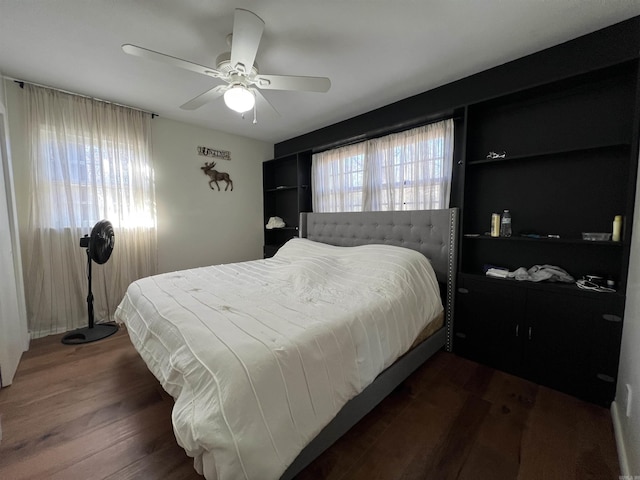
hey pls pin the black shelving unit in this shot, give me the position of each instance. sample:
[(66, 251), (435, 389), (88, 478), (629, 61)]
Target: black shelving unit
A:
[(571, 151), (286, 193), (568, 119)]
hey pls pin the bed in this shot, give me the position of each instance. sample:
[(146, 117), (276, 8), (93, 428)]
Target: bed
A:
[(270, 361)]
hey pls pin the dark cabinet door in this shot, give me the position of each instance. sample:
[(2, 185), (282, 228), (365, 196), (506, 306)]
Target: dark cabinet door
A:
[(607, 334), (566, 340), (559, 340), (487, 325), (572, 343)]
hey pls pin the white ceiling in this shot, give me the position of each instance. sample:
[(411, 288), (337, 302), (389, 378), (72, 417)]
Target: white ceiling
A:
[(374, 51)]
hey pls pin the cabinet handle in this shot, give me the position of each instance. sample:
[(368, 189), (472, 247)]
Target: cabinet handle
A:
[(530, 332), (463, 290), (605, 378), (517, 330), (611, 318)]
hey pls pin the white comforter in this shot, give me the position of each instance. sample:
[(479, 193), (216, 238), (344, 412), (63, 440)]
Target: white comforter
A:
[(259, 356)]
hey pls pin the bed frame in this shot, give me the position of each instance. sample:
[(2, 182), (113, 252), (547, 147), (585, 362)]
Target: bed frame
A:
[(432, 233)]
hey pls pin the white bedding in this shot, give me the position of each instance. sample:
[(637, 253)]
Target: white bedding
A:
[(259, 356)]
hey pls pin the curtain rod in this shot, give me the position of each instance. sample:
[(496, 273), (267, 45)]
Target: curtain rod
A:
[(384, 131), (22, 82)]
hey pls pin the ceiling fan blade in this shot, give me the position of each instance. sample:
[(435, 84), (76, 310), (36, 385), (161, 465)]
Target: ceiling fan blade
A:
[(262, 102), (204, 98), (247, 32), (168, 59), (289, 82)]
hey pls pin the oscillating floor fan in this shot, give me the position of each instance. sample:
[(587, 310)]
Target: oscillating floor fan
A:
[(99, 246)]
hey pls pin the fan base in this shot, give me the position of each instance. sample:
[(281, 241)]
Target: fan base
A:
[(86, 334)]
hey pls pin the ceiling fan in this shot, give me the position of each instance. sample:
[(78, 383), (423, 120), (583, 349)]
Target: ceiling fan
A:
[(237, 69)]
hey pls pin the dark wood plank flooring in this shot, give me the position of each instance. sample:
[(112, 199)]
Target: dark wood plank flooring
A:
[(95, 412)]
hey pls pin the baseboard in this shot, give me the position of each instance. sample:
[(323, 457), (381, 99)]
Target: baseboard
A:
[(620, 445)]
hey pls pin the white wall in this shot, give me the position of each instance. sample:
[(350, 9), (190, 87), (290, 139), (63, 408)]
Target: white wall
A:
[(628, 428), (196, 225), (17, 131), (14, 338)]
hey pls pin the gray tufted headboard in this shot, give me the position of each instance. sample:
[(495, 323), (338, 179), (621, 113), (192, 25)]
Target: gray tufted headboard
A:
[(431, 232)]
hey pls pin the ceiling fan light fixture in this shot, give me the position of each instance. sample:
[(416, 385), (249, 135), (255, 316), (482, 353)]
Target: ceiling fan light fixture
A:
[(239, 99)]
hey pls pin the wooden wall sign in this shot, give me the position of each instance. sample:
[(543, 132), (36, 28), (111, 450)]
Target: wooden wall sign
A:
[(213, 153)]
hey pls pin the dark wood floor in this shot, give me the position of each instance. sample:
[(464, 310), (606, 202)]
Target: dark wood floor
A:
[(95, 412)]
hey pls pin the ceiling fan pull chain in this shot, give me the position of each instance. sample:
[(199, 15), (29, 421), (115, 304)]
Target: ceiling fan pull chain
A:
[(255, 115)]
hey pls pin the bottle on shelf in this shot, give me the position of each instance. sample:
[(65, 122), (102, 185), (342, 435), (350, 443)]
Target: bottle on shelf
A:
[(495, 224), (617, 228), (505, 224)]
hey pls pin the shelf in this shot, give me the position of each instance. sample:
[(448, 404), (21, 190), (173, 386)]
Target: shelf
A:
[(573, 241), (286, 192), (282, 188), (568, 288), (550, 153)]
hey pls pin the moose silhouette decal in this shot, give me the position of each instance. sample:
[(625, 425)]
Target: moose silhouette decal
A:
[(216, 176)]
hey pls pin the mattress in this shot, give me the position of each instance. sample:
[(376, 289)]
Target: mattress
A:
[(259, 356)]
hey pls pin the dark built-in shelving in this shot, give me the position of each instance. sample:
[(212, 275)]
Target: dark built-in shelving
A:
[(566, 171), (568, 120), (286, 193), (569, 168)]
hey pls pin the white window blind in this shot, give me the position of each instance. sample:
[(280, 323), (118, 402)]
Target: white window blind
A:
[(410, 170)]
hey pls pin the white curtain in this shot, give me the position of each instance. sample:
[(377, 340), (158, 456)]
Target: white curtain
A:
[(90, 160), (410, 170)]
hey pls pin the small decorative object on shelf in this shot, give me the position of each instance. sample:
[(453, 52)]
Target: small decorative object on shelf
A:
[(493, 155), (274, 222), (595, 286), (617, 228), (495, 224), (505, 224), (596, 236)]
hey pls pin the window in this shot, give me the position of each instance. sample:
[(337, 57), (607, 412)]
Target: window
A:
[(84, 181), (89, 160), (410, 170), (338, 179)]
